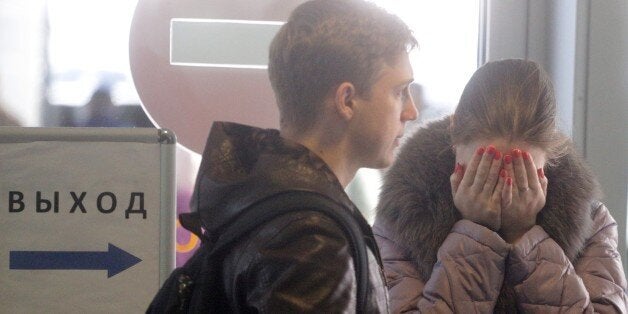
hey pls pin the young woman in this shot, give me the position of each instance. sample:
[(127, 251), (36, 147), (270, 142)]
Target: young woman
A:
[(516, 227)]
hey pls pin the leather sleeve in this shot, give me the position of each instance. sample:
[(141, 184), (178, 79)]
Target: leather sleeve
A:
[(546, 281), (298, 262), (467, 276)]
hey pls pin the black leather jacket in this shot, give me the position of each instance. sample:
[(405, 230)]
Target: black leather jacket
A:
[(297, 263)]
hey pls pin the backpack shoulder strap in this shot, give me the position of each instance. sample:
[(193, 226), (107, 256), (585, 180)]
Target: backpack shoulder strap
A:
[(297, 200)]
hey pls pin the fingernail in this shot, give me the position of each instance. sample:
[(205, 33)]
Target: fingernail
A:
[(491, 150), (480, 151), (509, 181), (457, 168), (503, 173), (516, 153), (498, 155), (508, 159), (541, 173), (525, 155)]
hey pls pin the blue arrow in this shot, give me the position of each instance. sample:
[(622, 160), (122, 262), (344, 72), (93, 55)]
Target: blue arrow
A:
[(115, 260)]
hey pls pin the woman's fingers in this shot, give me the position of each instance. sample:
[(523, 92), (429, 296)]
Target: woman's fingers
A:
[(510, 171), (543, 180), (485, 172), (472, 168), (532, 173), (456, 178), (519, 171), (493, 172), (504, 186)]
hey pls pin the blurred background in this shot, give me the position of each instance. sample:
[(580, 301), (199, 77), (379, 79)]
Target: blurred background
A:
[(67, 63)]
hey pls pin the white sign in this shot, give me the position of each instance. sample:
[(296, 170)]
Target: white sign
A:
[(83, 221)]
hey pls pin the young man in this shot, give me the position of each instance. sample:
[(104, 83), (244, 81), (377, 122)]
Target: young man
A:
[(341, 75)]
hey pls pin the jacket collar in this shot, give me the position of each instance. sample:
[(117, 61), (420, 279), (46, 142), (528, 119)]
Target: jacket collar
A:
[(243, 164)]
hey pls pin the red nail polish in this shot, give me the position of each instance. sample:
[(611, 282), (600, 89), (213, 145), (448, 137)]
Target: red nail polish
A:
[(509, 181), (503, 173), (457, 168), (516, 153), (541, 173), (480, 151), (508, 159), (498, 155), (491, 150), (525, 155)]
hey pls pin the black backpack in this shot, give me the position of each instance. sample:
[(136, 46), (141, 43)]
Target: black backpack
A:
[(196, 288)]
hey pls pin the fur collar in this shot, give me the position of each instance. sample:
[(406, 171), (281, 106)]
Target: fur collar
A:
[(417, 207)]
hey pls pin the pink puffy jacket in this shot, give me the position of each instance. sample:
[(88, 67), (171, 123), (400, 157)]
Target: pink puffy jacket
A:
[(474, 261), (437, 262)]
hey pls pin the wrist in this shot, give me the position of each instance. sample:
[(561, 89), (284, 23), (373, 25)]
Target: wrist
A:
[(493, 226), (512, 236), (487, 219)]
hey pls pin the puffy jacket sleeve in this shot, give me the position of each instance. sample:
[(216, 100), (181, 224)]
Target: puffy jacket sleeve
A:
[(546, 281), (467, 276)]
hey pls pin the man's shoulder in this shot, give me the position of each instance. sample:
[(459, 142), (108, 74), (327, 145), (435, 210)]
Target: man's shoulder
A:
[(290, 238), (306, 222), (294, 224)]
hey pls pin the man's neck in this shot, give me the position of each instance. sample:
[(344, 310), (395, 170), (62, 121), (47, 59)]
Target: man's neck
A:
[(332, 152)]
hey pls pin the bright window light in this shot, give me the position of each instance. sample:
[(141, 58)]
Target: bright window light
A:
[(87, 47), (447, 31)]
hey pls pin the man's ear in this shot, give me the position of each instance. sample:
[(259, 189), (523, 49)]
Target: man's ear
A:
[(344, 100)]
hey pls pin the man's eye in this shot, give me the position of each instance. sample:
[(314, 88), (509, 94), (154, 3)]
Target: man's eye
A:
[(400, 93), (405, 94)]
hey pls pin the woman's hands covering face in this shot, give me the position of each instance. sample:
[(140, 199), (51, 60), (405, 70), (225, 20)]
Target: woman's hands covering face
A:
[(505, 199)]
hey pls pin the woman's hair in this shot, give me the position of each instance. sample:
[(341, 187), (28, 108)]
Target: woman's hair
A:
[(325, 43), (511, 99)]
